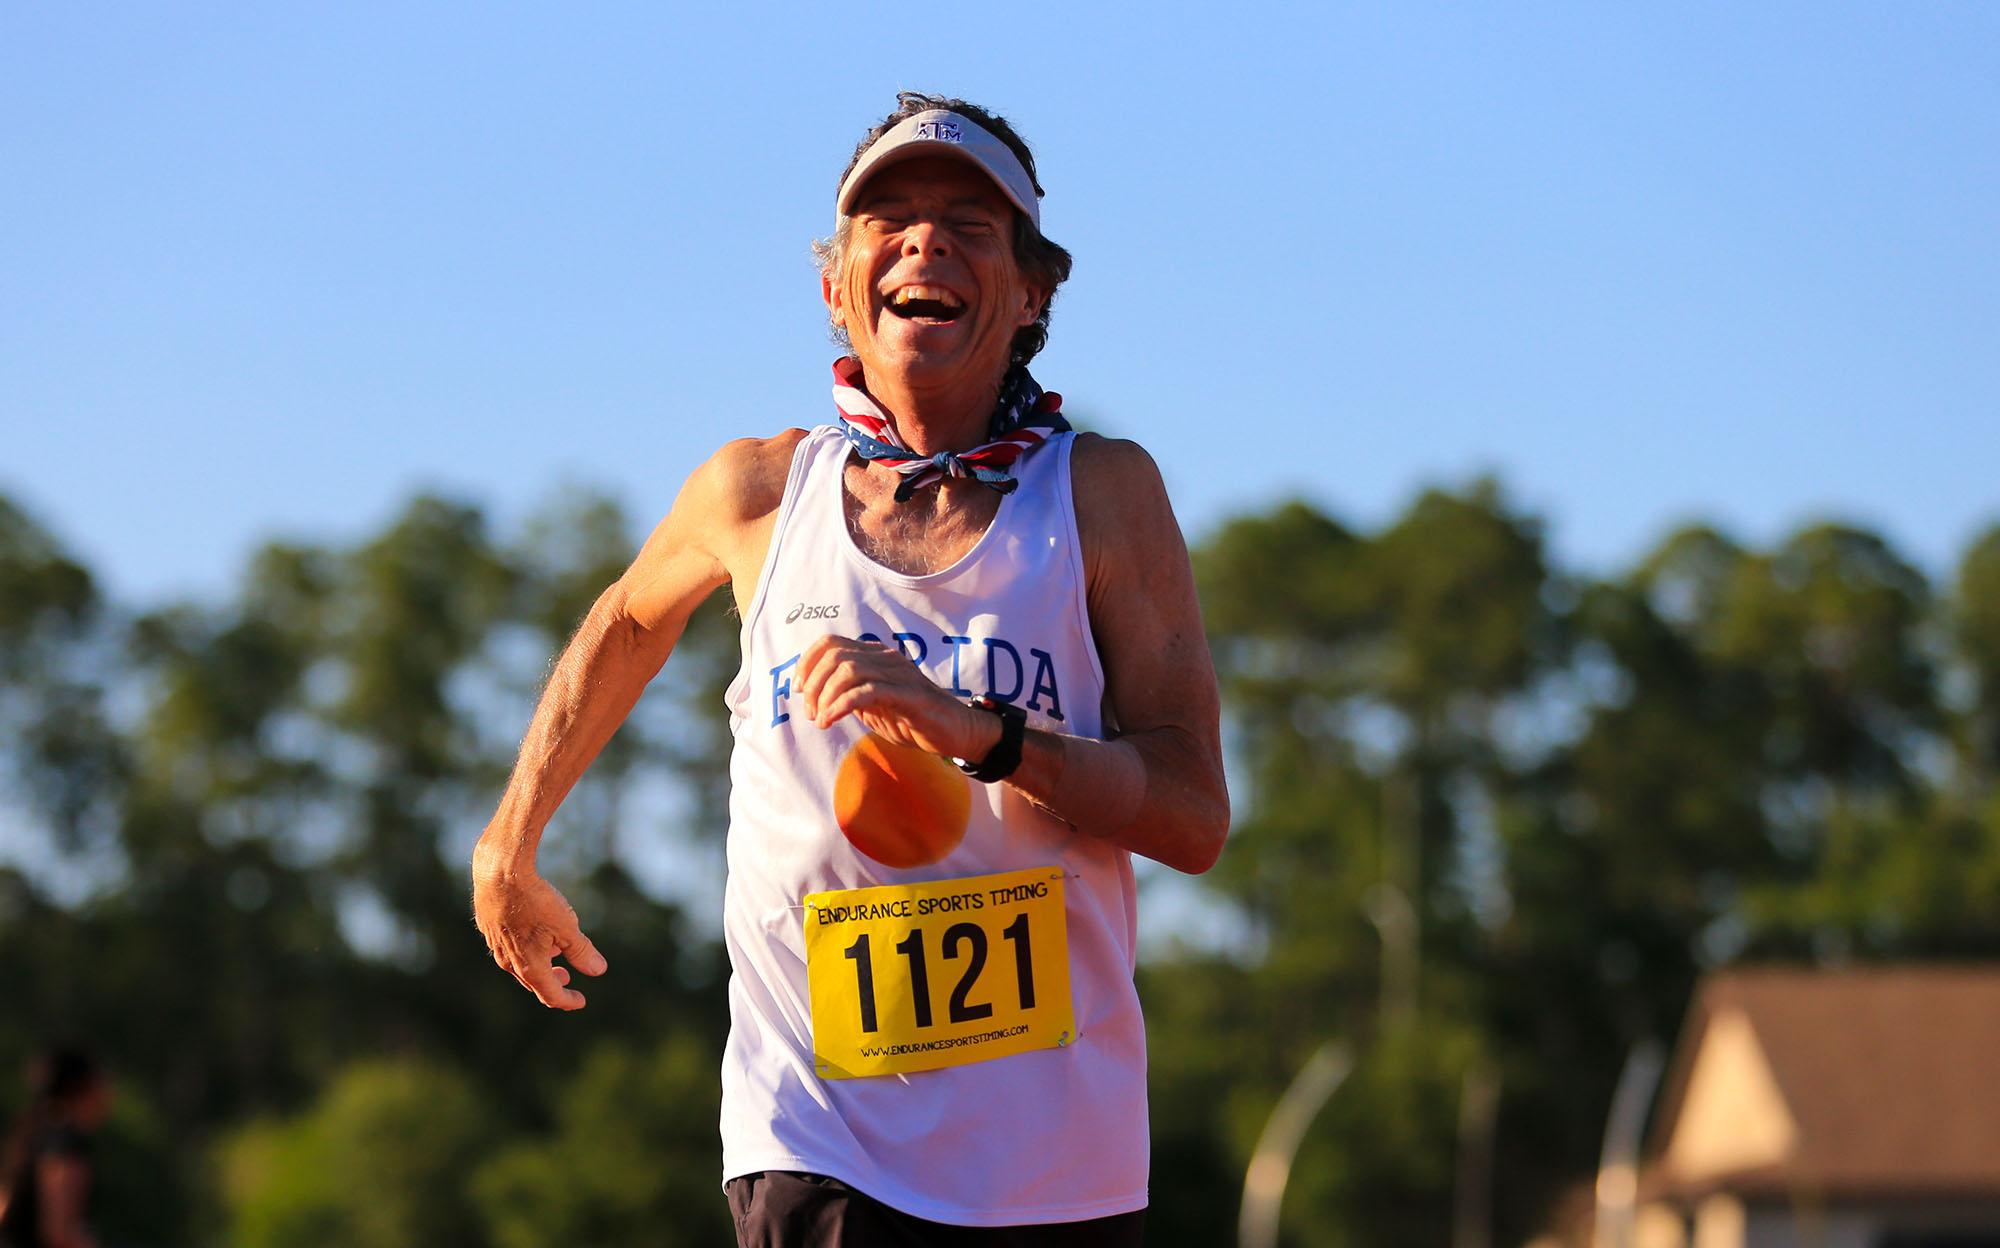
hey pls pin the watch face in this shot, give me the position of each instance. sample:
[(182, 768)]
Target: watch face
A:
[(1005, 710)]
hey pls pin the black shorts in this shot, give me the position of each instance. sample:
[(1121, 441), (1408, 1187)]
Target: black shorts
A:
[(780, 1209)]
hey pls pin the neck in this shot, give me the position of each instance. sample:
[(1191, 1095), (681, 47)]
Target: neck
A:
[(933, 419)]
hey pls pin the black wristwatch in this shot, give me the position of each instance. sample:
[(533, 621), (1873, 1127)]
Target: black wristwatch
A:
[(1004, 757)]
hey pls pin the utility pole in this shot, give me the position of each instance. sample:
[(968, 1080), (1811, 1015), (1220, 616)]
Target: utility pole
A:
[(1624, 1127), (1472, 1195), (1271, 1162), (1391, 905)]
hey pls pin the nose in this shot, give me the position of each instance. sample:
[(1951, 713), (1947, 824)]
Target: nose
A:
[(924, 238)]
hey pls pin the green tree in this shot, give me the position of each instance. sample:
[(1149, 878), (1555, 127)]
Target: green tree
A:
[(276, 825), (1368, 682), (382, 1160), (1491, 817), (634, 1159), (1975, 620), (58, 750)]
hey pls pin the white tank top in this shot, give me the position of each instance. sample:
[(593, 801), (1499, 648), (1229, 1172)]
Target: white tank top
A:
[(1052, 1135)]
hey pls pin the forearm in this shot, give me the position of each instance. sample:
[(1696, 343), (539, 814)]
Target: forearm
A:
[(1157, 793), (591, 690)]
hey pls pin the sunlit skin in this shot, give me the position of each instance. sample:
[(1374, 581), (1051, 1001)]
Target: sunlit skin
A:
[(938, 226)]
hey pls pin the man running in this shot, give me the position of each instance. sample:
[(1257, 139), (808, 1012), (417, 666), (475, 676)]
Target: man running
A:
[(974, 683)]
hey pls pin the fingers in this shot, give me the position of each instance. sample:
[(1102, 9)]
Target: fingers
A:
[(582, 954), (527, 949), (842, 676), (538, 973), (824, 661), (846, 701), (838, 676), (531, 968), (546, 980)]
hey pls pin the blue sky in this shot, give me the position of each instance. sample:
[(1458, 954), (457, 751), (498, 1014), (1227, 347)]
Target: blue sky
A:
[(269, 269)]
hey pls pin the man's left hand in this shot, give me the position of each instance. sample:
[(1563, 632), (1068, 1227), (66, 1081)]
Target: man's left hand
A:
[(877, 684)]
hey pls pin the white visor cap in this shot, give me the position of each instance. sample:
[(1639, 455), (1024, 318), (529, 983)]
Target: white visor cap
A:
[(938, 132)]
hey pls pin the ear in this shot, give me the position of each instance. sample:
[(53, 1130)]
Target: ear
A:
[(836, 299), (1033, 300)]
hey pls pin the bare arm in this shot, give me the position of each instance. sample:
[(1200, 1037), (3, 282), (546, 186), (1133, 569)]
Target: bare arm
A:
[(707, 540), (1158, 788)]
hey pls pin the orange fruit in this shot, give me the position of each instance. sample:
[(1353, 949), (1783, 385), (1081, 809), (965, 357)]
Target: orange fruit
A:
[(901, 806)]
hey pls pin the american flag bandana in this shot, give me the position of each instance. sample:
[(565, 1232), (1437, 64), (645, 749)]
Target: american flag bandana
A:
[(1025, 417)]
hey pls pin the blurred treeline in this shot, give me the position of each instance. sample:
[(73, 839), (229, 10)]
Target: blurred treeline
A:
[(1493, 818)]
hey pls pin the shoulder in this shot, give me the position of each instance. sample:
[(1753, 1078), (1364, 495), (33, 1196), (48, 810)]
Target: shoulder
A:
[(1121, 500), (715, 532), (744, 480), (1134, 557), (1100, 461)]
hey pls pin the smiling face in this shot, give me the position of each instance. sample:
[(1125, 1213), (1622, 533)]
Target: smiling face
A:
[(928, 291)]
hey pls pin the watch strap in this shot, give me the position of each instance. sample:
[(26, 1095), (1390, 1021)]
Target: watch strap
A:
[(1005, 756)]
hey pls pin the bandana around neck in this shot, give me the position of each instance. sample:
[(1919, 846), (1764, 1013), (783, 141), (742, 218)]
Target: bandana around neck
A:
[(1024, 418)]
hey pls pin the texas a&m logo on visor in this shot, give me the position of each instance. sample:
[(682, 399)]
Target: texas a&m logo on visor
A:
[(942, 131)]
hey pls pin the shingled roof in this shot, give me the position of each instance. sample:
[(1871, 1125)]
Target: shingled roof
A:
[(1863, 1084)]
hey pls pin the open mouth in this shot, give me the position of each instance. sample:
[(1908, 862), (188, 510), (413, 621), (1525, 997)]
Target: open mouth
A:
[(926, 303)]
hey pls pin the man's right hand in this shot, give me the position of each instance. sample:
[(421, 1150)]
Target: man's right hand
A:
[(526, 923), (717, 534)]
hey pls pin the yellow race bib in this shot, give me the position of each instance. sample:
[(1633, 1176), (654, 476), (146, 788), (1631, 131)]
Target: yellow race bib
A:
[(917, 976)]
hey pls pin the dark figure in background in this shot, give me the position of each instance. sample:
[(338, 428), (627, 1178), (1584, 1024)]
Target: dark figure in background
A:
[(47, 1161)]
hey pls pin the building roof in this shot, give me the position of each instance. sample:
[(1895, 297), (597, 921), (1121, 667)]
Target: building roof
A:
[(1876, 1083)]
